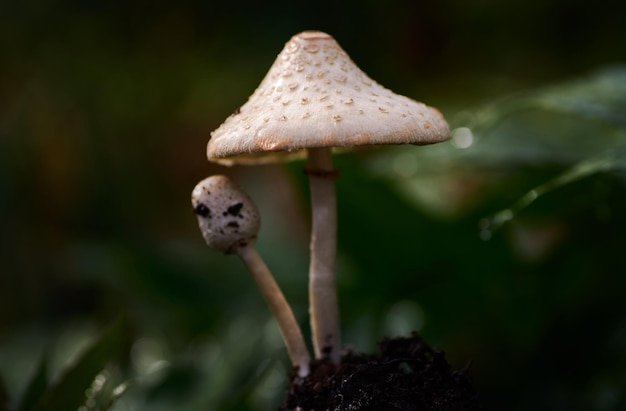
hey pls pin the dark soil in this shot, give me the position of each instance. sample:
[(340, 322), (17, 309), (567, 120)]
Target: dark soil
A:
[(408, 375)]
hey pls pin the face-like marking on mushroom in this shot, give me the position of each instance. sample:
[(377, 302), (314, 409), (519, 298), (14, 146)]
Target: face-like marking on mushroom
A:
[(202, 210), (234, 210), (236, 225)]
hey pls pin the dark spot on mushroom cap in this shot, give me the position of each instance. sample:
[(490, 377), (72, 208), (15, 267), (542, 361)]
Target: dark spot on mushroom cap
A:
[(233, 224), (234, 209), (202, 210)]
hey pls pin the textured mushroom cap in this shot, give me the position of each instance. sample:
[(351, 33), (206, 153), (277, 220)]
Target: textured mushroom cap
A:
[(315, 96), (226, 215)]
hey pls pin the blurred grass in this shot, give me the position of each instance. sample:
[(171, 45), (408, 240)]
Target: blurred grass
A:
[(105, 110)]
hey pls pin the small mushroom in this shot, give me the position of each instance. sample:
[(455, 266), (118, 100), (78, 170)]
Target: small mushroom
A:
[(229, 222), (313, 99)]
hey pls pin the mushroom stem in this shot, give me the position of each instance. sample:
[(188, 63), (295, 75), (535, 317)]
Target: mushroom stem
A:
[(324, 309), (287, 323)]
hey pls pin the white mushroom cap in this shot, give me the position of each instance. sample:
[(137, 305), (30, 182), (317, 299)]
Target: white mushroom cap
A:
[(315, 96), (226, 215)]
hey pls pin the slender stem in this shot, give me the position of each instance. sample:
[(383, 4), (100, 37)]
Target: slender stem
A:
[(322, 283), (287, 323)]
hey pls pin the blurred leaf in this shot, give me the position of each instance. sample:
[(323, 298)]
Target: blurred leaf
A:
[(596, 137), (577, 128), (4, 397), (601, 95), (105, 390), (117, 392), (37, 385), (611, 160), (560, 124), (68, 393)]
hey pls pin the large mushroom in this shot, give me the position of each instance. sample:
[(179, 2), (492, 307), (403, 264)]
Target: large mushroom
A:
[(313, 99)]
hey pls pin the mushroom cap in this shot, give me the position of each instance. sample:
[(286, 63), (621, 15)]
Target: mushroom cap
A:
[(227, 217), (315, 96)]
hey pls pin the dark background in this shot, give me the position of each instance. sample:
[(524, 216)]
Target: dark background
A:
[(105, 112)]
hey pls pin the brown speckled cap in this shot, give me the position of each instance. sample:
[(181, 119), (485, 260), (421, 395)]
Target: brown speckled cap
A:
[(315, 96)]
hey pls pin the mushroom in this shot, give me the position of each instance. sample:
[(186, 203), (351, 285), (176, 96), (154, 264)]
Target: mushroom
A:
[(230, 222), (313, 99)]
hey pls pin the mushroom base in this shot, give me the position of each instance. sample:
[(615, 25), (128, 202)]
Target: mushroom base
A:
[(407, 375)]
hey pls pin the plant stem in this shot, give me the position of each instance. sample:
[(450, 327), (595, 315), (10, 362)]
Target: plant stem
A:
[(322, 283), (287, 323)]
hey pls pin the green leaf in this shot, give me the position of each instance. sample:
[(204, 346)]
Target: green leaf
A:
[(115, 394), (4, 397), (577, 127), (68, 393), (594, 141), (37, 386), (611, 160), (105, 390), (600, 95)]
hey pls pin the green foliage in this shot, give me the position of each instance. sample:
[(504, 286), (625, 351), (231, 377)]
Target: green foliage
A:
[(4, 397), (68, 391), (36, 387), (578, 126), (595, 104)]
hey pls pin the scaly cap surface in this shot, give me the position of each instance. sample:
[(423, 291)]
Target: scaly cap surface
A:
[(315, 96)]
